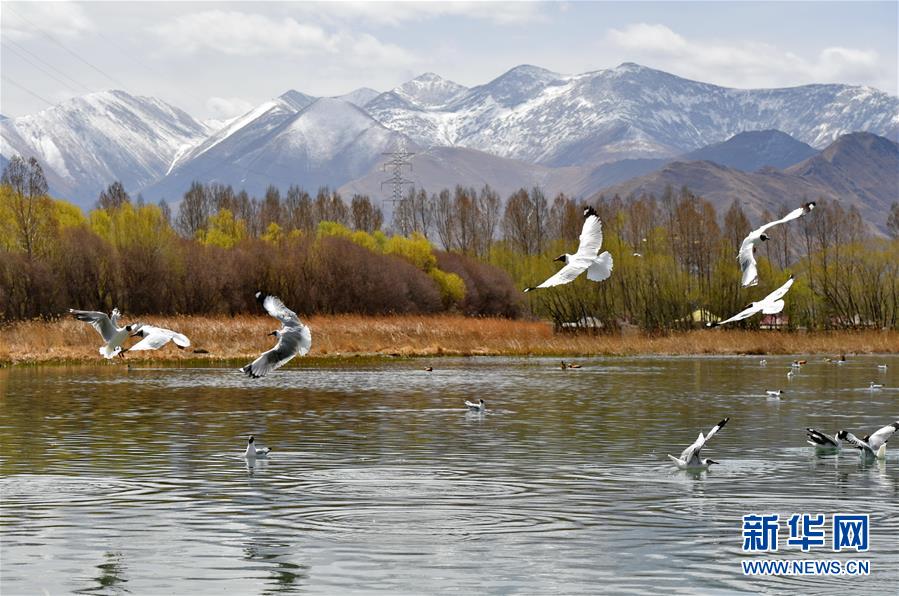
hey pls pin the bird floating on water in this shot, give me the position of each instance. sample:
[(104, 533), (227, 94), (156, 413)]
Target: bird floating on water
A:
[(429, 368), (763, 362), (874, 445), (874, 386), (821, 441), (253, 452), (799, 363), (107, 327), (774, 394), (882, 367), (476, 407), (598, 268), (746, 255), (293, 338), (790, 374), (567, 365), (769, 305), (690, 459)]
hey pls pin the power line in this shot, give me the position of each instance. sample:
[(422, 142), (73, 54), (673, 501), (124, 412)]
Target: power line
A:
[(41, 68), (8, 6), (26, 90), (34, 56)]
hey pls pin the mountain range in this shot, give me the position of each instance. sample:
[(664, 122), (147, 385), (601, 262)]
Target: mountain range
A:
[(619, 129)]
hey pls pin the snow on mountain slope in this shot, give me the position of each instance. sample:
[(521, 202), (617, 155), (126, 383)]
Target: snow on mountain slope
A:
[(629, 112), (326, 144), (359, 97), (88, 142)]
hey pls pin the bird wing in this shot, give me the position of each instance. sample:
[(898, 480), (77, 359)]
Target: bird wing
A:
[(820, 438), (601, 268), (883, 435), (743, 314), (156, 337), (293, 341), (693, 450), (858, 443), (574, 267), (779, 292), (747, 263), (794, 214), (276, 308), (591, 237), (98, 320)]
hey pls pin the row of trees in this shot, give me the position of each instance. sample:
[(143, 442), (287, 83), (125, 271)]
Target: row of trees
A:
[(674, 256)]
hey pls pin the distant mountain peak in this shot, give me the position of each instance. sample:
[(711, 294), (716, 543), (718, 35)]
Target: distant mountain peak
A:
[(296, 99), (429, 90)]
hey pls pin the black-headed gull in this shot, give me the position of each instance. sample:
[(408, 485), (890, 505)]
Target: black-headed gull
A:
[(746, 255), (874, 445), (156, 337), (293, 338), (690, 459), (598, 268), (476, 407), (875, 386), (106, 326), (821, 441), (774, 394), (769, 305), (252, 452)]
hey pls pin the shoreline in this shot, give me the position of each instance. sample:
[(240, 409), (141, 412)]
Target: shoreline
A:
[(343, 337)]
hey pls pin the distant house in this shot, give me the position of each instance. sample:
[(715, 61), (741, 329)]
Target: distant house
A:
[(778, 321)]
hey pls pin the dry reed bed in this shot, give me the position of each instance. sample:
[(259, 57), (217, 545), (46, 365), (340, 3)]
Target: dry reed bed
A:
[(242, 337)]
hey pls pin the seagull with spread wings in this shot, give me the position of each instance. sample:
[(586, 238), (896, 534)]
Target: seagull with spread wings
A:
[(690, 459), (107, 327), (769, 305), (156, 337), (874, 445), (746, 255), (598, 267), (293, 338)]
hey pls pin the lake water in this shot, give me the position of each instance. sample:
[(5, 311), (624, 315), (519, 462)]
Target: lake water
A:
[(118, 481)]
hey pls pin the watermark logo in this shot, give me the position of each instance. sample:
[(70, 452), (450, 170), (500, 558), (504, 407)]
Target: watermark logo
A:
[(848, 532)]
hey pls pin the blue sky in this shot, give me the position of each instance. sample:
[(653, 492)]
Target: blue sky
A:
[(217, 59)]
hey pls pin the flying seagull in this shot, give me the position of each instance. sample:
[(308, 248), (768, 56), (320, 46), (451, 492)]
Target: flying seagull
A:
[(107, 327), (476, 407), (293, 338), (872, 445), (156, 337), (822, 442), (756, 237), (690, 459), (252, 452), (598, 268), (770, 305)]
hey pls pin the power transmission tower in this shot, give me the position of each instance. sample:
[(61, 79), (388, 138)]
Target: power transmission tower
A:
[(397, 160)]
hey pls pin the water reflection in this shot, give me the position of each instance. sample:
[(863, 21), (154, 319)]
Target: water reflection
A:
[(383, 480)]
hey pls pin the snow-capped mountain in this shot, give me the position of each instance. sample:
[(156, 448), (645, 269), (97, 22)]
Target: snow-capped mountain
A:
[(429, 91), (629, 112), (88, 142), (359, 97), (327, 143)]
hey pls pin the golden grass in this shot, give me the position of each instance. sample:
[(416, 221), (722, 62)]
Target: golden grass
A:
[(244, 337)]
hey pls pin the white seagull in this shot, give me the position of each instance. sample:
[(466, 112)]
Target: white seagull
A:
[(822, 442), (690, 459), (756, 237), (874, 386), (293, 338), (156, 337), (770, 305), (872, 445), (598, 268), (252, 452), (476, 407), (774, 394), (108, 329), (882, 367)]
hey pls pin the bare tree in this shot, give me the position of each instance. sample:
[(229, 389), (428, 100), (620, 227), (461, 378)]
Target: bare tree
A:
[(366, 217), (113, 197), (893, 220), (194, 211), (30, 204), (444, 219)]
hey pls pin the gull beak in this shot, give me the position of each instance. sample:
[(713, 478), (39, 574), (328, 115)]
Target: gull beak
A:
[(560, 258)]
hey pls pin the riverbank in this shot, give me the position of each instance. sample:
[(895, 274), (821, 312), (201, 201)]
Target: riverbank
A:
[(244, 337)]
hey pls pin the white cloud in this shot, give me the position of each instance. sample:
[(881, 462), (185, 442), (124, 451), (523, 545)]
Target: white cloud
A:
[(26, 20), (397, 13), (242, 34), (222, 108), (743, 63)]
